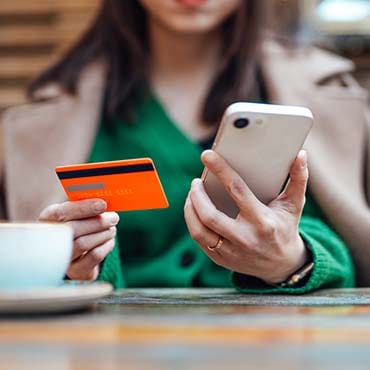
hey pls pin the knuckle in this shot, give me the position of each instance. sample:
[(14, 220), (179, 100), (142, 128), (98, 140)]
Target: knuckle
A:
[(94, 206), (243, 240), (54, 212), (267, 228), (80, 245), (237, 187), (62, 211), (249, 247), (97, 255), (211, 219)]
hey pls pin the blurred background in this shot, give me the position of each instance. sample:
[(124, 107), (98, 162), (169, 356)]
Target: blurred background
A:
[(33, 33)]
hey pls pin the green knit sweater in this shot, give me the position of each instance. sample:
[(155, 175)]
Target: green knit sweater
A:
[(154, 248)]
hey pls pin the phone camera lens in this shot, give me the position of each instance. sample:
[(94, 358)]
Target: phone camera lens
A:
[(241, 122)]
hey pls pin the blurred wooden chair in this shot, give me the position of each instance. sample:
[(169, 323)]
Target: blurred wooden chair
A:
[(32, 35)]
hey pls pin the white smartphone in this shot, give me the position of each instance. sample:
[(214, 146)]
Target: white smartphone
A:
[(260, 142)]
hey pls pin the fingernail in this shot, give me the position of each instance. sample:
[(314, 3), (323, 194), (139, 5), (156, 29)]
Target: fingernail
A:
[(114, 219), (304, 158), (209, 155), (99, 206), (195, 181)]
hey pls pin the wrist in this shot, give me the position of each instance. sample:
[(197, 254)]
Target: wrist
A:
[(300, 258)]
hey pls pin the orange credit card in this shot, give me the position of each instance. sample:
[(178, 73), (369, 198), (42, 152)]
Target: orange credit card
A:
[(126, 185)]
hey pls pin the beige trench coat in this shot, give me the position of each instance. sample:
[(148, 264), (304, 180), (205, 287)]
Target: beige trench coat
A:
[(61, 129)]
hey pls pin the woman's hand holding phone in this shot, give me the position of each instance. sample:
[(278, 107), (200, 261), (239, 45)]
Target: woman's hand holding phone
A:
[(263, 241), (93, 229)]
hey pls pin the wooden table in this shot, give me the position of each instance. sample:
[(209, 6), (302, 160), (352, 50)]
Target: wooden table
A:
[(195, 329)]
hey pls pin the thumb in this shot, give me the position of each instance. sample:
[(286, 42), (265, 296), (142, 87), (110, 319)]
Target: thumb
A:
[(295, 190)]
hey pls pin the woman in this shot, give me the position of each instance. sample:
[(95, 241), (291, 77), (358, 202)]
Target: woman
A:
[(152, 78)]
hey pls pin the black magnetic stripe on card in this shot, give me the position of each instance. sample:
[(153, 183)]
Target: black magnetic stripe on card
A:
[(105, 171)]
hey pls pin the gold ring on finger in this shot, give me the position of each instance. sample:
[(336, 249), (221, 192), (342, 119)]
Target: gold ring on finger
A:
[(218, 245)]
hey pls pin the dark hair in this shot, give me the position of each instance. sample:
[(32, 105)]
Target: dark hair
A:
[(119, 36)]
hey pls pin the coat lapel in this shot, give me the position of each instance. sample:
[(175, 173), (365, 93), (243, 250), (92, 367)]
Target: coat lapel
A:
[(38, 137), (336, 144)]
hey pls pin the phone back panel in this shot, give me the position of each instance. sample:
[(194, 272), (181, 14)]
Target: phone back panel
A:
[(261, 152)]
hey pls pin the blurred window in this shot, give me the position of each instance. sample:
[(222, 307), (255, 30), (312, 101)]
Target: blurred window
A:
[(343, 10), (339, 17)]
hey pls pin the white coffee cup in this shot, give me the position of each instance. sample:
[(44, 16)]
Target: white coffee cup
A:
[(34, 254)]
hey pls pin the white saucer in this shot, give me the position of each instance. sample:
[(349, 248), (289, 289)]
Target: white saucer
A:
[(71, 295)]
